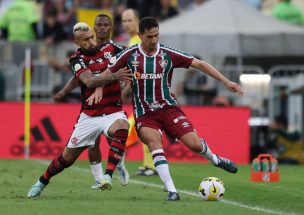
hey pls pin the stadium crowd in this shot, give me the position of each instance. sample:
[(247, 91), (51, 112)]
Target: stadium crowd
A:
[(52, 20)]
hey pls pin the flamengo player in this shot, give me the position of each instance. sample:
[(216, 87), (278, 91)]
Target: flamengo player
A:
[(104, 117), (155, 107), (102, 27)]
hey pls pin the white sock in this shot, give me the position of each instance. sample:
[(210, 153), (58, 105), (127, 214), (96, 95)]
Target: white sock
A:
[(97, 171), (121, 163), (162, 168), (207, 153)]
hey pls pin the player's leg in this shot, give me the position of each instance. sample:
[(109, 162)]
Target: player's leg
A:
[(148, 165), (200, 146), (65, 160), (118, 131), (154, 140), (94, 155), (84, 135), (177, 125)]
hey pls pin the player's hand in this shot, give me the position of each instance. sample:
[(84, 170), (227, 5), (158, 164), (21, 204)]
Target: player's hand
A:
[(234, 87), (123, 74), (95, 97), (59, 96)]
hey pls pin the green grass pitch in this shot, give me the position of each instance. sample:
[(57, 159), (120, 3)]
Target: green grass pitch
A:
[(70, 193)]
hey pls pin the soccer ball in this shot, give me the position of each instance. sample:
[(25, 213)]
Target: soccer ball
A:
[(211, 189)]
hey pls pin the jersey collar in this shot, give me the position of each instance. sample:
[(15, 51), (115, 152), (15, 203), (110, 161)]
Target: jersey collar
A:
[(142, 51)]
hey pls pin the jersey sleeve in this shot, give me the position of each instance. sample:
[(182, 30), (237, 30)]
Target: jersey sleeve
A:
[(180, 59), (78, 66), (119, 61)]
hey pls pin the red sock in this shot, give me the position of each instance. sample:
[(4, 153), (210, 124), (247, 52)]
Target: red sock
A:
[(56, 166), (116, 150)]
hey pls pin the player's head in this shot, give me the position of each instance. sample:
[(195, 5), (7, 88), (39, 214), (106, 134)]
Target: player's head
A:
[(103, 27), (149, 33), (130, 20), (84, 38)]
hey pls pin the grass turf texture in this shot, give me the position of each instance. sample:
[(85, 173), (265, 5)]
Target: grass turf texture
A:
[(70, 193)]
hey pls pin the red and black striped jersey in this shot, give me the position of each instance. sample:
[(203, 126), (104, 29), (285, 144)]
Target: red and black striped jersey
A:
[(111, 101)]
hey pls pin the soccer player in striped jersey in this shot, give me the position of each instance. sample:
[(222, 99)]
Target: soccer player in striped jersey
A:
[(156, 108), (130, 23), (106, 116), (103, 27)]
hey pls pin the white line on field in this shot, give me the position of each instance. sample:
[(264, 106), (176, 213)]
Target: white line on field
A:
[(229, 202)]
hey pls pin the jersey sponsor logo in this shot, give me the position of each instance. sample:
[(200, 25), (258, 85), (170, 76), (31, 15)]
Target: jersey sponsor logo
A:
[(145, 76), (77, 67), (108, 55), (163, 63)]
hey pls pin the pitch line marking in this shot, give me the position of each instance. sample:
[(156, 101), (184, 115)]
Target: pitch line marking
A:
[(190, 193)]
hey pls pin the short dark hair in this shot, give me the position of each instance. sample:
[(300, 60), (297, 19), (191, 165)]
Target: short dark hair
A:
[(147, 23), (103, 15)]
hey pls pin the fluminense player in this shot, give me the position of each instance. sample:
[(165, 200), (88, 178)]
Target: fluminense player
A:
[(106, 116), (156, 108)]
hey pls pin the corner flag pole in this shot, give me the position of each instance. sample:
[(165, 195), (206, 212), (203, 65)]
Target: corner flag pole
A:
[(27, 103)]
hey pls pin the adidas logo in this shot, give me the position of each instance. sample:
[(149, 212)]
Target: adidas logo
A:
[(48, 128), (91, 62), (45, 141)]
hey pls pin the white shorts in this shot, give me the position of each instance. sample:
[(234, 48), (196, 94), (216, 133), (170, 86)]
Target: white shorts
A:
[(88, 128)]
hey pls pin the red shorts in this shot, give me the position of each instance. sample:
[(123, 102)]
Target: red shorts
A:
[(170, 119)]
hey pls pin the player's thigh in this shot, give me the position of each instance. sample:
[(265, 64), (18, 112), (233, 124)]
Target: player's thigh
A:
[(85, 132), (114, 122), (151, 137), (176, 124)]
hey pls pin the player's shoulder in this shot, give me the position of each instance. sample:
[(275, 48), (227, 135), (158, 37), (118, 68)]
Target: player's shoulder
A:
[(75, 55), (174, 50), (129, 50), (116, 45)]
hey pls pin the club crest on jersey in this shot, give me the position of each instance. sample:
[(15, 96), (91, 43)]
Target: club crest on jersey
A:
[(163, 63), (108, 55)]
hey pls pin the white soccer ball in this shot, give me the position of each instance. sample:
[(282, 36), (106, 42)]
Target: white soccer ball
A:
[(211, 189)]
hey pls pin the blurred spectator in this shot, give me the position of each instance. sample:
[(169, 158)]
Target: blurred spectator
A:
[(66, 14), (254, 3), (197, 91), (286, 145), (62, 67), (221, 101), (286, 11), (53, 31), (196, 4), (19, 21), (166, 11)]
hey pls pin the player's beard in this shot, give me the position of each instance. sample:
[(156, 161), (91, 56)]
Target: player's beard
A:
[(90, 51)]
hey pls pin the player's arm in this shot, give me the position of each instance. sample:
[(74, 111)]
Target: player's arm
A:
[(210, 70), (71, 85)]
